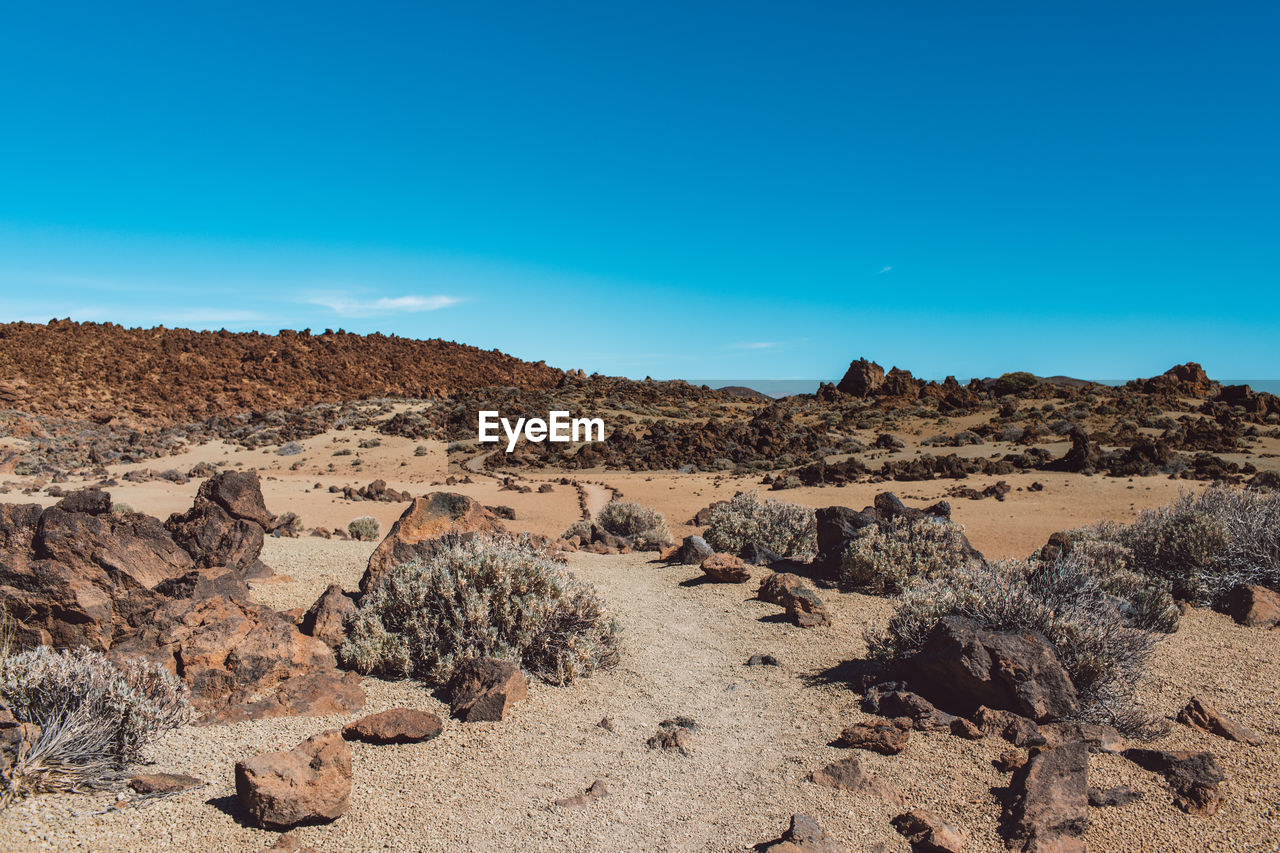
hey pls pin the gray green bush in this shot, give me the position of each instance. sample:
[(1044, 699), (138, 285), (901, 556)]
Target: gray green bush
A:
[(364, 528), (1103, 649), (641, 525), (887, 560), (94, 717), (488, 596), (787, 529)]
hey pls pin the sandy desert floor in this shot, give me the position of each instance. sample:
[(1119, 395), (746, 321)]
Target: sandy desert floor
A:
[(761, 731)]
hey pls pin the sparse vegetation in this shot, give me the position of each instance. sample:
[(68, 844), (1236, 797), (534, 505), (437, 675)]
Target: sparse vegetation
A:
[(94, 717), (364, 529), (784, 528), (1202, 546), (643, 526), (486, 596), (887, 561), (1102, 647)]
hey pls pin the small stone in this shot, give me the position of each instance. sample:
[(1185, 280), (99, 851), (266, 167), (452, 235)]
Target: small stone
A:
[(398, 725), (960, 727), (1193, 776), (884, 738), (606, 723), (163, 783), (310, 783), (1121, 795), (804, 836), (595, 791), (1254, 606), (929, 833), (1199, 714), (484, 689), (762, 660), (675, 739), (1010, 760), (725, 568)]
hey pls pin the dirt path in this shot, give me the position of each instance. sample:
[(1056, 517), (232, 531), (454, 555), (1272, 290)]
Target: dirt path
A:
[(597, 498)]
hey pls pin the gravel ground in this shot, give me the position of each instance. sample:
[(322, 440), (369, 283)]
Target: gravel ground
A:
[(761, 731)]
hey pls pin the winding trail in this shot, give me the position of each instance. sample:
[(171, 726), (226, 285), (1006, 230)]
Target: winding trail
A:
[(597, 498)]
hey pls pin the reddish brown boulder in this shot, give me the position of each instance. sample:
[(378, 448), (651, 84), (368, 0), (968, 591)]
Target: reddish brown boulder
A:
[(963, 666), (928, 833), (397, 725), (862, 379), (328, 618), (725, 568), (803, 605), (421, 525), (307, 784), (484, 689), (804, 836), (1015, 728), (1050, 806), (226, 524), (73, 578), (884, 738), (243, 661), (889, 700), (1193, 776), (960, 727), (1199, 714), (1255, 606)]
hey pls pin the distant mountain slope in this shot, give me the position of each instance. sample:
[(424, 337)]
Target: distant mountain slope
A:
[(103, 370)]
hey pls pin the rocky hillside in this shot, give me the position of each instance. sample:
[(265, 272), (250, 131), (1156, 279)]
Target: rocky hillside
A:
[(105, 371)]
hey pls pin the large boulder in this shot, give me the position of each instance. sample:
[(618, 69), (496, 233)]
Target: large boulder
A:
[(862, 379), (963, 666), (226, 524), (327, 620), (417, 531), (243, 661), (78, 578), (308, 784)]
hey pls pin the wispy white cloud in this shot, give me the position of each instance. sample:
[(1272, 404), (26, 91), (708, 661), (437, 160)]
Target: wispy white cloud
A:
[(351, 307), (885, 270), (756, 345)]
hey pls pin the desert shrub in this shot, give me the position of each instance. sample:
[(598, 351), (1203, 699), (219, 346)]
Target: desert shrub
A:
[(580, 528), (121, 509), (483, 596), (787, 529), (1013, 383), (94, 716), (640, 524), (1101, 648), (1204, 545), (365, 528), (1101, 551), (888, 560)]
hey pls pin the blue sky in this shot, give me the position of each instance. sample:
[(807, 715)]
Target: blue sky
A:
[(702, 190)]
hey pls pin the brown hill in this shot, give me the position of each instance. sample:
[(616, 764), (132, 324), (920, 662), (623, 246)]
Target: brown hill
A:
[(104, 371)]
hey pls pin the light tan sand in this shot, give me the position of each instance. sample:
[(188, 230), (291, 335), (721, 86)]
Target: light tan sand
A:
[(761, 732)]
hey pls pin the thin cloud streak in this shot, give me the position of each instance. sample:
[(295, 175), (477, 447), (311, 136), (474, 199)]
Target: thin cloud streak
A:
[(756, 345), (413, 303)]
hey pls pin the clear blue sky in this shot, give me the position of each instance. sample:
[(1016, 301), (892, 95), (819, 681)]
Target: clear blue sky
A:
[(694, 189)]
